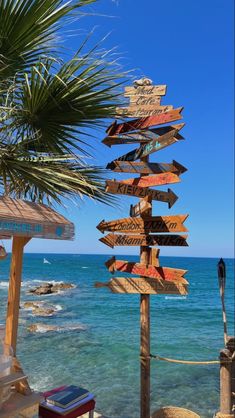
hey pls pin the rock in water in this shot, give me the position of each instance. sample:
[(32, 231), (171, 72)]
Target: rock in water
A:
[(42, 328), (48, 288)]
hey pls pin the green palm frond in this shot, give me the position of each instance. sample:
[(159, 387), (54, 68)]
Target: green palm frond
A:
[(28, 29), (56, 106), (50, 178)]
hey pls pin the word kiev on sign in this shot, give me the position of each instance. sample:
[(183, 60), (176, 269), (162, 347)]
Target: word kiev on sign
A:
[(117, 187), (162, 273), (143, 123), (146, 167), (155, 180), (152, 146), (113, 240), (173, 223), (141, 208), (142, 110), (145, 90), (140, 136), (143, 285)]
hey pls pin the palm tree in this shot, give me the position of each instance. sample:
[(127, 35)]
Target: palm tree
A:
[(47, 104)]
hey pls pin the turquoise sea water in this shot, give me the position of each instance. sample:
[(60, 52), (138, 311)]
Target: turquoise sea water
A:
[(104, 356)]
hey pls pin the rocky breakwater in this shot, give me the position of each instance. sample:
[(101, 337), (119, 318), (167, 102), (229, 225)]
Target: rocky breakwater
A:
[(50, 288), (42, 328), (41, 308)]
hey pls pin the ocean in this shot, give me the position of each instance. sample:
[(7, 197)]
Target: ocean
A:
[(97, 346)]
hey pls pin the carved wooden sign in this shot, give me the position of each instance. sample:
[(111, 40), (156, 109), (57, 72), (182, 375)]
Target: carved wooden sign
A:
[(146, 167), (142, 207), (139, 136), (159, 90), (142, 110), (155, 180), (145, 99), (117, 187), (143, 123), (172, 223), (113, 240), (163, 273), (144, 286), (152, 146)]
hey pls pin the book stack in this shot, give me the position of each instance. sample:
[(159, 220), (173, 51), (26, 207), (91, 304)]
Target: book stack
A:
[(67, 401)]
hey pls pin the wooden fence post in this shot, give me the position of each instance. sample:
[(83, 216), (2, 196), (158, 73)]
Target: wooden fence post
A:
[(225, 382), (14, 291)]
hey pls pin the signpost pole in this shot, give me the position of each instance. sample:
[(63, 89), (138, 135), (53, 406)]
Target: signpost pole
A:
[(145, 334)]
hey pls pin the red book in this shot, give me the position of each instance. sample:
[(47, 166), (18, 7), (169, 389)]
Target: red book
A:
[(44, 412), (89, 406)]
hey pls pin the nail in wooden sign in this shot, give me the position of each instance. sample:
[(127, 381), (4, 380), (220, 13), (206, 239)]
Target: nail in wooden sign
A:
[(141, 208), (155, 180), (146, 167), (140, 136), (162, 273), (159, 90), (172, 223), (144, 286), (152, 146), (113, 240), (117, 187), (142, 111), (146, 122)]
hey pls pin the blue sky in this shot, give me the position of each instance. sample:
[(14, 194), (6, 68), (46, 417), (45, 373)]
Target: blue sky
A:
[(187, 45)]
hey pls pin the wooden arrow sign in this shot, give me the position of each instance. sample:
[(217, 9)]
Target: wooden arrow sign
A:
[(172, 223), (117, 187), (146, 167), (155, 180), (159, 90), (140, 136), (141, 111), (144, 286), (152, 146), (113, 240), (143, 123), (141, 208), (163, 273)]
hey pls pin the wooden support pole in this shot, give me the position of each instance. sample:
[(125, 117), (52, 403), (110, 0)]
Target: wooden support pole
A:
[(14, 291), (225, 382), (145, 258)]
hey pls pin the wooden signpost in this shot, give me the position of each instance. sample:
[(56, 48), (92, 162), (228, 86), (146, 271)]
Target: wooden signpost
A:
[(146, 168), (142, 285), (118, 187), (140, 136), (146, 225), (137, 230), (143, 123), (115, 240), (142, 110), (161, 273), (155, 180), (154, 145)]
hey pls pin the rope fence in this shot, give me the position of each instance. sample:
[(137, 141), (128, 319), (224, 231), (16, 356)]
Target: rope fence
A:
[(170, 360)]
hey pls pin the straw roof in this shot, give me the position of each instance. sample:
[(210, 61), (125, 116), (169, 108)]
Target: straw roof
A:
[(22, 218)]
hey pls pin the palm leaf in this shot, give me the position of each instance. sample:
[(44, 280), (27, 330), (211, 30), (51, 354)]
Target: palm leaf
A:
[(39, 177), (28, 29), (57, 106)]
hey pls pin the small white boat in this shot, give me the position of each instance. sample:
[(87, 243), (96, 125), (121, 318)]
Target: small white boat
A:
[(45, 261)]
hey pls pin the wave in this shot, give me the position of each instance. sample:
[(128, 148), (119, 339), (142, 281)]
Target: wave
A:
[(4, 284), (84, 267)]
